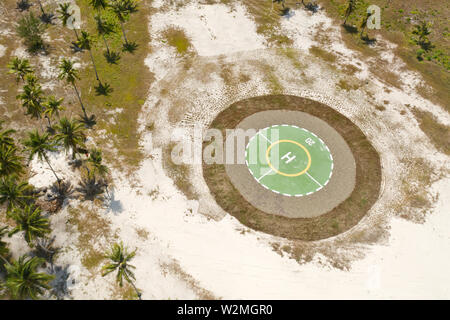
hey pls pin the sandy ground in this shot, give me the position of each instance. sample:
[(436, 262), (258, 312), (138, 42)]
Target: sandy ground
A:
[(184, 254)]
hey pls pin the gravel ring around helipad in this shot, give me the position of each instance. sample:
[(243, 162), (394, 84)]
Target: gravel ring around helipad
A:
[(339, 188), (338, 220)]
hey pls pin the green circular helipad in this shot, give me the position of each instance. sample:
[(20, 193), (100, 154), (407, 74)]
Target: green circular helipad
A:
[(289, 160)]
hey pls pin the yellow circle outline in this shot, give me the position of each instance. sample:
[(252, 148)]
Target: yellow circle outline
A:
[(288, 174)]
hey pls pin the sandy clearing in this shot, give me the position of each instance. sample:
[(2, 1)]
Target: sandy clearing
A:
[(224, 256), (213, 29)]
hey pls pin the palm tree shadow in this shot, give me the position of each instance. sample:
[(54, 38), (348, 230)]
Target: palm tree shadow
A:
[(47, 18), (350, 29), (103, 89), (51, 131), (75, 48), (368, 41), (112, 57), (90, 189), (61, 191), (311, 6), (88, 121), (287, 13), (130, 47), (60, 288), (23, 5), (44, 249), (115, 206)]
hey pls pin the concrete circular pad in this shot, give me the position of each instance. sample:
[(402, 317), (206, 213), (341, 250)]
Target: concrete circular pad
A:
[(336, 191)]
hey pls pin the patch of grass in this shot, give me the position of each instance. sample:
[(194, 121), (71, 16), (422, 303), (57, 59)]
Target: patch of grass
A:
[(398, 21), (415, 200), (386, 75), (350, 69), (92, 228), (293, 55), (175, 268), (226, 73), (268, 21), (438, 133), (270, 77), (177, 38), (179, 173), (348, 85), (126, 292), (92, 259), (322, 54)]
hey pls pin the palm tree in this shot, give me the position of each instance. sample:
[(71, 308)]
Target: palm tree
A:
[(70, 74), (119, 261), (70, 134), (10, 162), (65, 15), (85, 42), (52, 107), (96, 159), (23, 281), (32, 97), (122, 9), (349, 10), (40, 145), (14, 193), (30, 220), (19, 67), (5, 139), (99, 5)]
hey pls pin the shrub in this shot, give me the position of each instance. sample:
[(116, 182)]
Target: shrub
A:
[(31, 29)]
